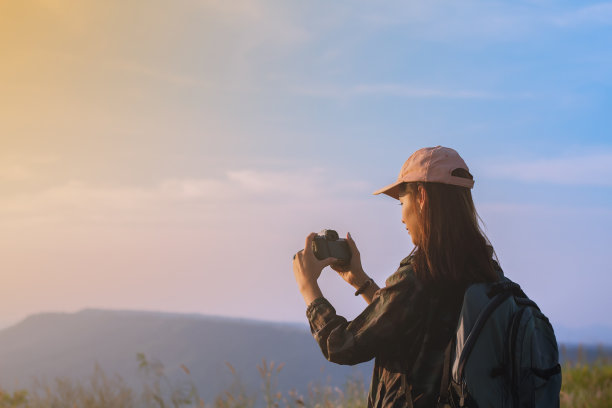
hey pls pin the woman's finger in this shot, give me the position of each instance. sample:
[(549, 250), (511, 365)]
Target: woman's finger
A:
[(329, 261), (340, 268), (351, 243), (308, 244), (297, 253)]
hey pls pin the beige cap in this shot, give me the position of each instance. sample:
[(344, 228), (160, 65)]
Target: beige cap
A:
[(430, 164)]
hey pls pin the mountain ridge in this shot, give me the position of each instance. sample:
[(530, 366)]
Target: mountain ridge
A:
[(68, 345)]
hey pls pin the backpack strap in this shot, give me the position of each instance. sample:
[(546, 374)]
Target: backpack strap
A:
[(478, 325), (506, 286), (498, 293), (528, 302)]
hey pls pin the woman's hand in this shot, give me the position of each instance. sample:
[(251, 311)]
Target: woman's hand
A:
[(307, 269), (353, 273)]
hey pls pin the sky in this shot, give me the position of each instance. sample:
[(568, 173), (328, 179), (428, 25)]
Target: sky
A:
[(172, 156)]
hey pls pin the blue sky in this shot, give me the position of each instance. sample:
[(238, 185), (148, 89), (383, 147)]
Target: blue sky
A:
[(172, 156)]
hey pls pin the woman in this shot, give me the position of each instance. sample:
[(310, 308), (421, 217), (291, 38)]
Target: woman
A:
[(408, 323)]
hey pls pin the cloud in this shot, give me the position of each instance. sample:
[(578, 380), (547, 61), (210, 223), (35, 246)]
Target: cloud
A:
[(593, 169), (148, 71), (20, 168), (257, 24), (402, 91), (476, 20), (199, 43), (293, 184), (594, 14), (176, 199), (480, 21), (238, 8), (503, 209)]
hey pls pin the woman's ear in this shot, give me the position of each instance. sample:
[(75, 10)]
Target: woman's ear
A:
[(421, 197)]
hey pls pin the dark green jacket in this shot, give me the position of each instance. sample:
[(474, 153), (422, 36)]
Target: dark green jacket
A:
[(406, 329)]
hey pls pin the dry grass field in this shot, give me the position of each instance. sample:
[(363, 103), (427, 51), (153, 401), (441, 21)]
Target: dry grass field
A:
[(584, 385)]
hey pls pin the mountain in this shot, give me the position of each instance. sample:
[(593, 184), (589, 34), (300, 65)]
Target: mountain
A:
[(61, 345), (587, 335)]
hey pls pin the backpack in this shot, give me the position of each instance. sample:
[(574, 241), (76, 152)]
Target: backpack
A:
[(504, 353)]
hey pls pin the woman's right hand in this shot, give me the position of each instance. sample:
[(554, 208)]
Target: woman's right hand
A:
[(353, 273)]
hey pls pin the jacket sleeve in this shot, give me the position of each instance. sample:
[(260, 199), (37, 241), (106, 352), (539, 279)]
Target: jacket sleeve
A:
[(362, 339)]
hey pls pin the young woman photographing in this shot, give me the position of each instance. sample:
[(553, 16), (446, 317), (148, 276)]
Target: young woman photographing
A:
[(409, 322)]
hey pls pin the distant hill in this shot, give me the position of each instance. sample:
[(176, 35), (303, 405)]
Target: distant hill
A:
[(53, 345), (588, 335)]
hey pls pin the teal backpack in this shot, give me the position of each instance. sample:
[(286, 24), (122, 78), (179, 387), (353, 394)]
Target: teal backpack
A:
[(504, 353)]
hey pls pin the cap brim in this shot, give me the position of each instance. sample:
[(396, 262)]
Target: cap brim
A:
[(392, 190)]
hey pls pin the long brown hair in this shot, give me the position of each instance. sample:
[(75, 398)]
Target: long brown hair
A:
[(452, 246)]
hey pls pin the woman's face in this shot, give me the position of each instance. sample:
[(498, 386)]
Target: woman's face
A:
[(409, 216)]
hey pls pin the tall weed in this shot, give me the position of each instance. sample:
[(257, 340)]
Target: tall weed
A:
[(584, 385)]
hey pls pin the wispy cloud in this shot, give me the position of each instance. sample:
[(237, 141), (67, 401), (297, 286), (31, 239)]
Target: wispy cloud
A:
[(179, 199), (594, 14), (130, 67), (403, 91), (19, 168), (593, 169), (503, 209), (262, 20), (482, 21), (148, 71)]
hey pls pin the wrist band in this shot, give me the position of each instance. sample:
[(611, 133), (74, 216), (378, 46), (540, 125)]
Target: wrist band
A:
[(363, 287)]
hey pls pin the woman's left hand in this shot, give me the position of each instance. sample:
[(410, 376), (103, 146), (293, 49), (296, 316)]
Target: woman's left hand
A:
[(306, 267)]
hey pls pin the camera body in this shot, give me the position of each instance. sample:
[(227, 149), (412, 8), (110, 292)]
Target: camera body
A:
[(328, 244)]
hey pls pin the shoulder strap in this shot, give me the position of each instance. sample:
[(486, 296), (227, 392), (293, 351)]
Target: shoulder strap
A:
[(505, 286), (480, 322), (498, 292)]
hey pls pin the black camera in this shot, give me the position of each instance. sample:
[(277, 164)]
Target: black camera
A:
[(328, 244)]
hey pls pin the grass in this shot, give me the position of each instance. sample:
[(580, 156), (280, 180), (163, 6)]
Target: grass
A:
[(103, 391), (587, 386), (584, 385)]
